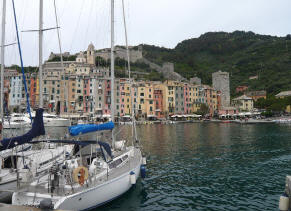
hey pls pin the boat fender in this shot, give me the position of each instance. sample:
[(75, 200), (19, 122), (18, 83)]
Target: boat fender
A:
[(46, 204), (144, 160), (284, 202), (132, 178), (143, 171), (80, 175)]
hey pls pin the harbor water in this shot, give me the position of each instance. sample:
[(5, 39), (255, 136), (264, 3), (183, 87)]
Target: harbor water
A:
[(208, 166)]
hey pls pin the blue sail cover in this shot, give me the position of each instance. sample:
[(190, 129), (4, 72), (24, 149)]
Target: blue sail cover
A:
[(36, 130), (88, 128)]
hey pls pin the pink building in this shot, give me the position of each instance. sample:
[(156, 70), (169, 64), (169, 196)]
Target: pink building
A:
[(227, 111), (86, 96), (158, 98), (187, 103), (107, 97)]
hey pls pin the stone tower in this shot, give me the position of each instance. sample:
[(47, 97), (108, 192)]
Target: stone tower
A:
[(91, 54), (220, 82)]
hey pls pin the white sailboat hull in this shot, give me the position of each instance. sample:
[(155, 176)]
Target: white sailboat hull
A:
[(87, 199), (99, 195), (13, 125), (57, 122)]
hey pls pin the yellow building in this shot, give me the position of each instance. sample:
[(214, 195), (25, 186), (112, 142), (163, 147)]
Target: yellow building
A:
[(170, 96), (125, 97), (243, 103), (282, 95), (145, 99)]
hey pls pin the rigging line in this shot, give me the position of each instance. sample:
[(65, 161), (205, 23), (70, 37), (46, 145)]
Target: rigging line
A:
[(81, 11), (2, 60), (129, 76), (88, 23), (61, 53), (65, 7), (21, 61)]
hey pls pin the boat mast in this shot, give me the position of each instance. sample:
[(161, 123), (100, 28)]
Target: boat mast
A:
[(112, 61), (40, 41), (112, 70), (2, 59)]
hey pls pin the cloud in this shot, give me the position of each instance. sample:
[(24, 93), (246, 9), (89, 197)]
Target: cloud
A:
[(159, 22)]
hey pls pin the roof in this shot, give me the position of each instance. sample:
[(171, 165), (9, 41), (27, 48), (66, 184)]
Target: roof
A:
[(284, 94), (91, 47), (257, 93), (243, 97)]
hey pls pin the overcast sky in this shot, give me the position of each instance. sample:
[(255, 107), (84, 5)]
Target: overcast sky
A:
[(157, 22)]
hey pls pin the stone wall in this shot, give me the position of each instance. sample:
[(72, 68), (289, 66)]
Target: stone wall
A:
[(121, 53), (195, 80)]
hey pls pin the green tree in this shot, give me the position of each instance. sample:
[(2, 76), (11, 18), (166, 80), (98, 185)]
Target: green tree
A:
[(203, 110)]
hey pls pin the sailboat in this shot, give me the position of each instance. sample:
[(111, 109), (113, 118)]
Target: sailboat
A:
[(16, 152), (94, 175)]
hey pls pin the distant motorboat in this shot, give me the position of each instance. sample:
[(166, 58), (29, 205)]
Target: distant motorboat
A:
[(52, 120), (282, 121), (16, 121)]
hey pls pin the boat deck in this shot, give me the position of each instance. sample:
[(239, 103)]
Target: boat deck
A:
[(9, 207), (102, 177)]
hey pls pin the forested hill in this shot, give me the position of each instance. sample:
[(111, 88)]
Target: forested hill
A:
[(242, 54)]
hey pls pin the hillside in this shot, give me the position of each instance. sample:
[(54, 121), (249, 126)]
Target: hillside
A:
[(242, 54)]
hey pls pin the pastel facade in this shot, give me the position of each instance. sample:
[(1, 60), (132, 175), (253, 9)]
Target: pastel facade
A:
[(243, 103)]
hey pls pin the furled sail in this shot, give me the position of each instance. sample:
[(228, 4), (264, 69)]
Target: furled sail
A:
[(88, 128), (36, 130)]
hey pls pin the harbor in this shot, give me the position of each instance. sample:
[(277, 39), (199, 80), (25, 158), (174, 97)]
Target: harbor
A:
[(93, 120), (200, 166)]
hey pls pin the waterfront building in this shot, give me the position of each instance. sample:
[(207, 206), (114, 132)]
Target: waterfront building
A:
[(125, 97), (283, 94), (241, 89), (243, 103), (15, 95), (211, 99), (145, 99), (255, 95), (187, 100), (195, 81), (159, 102)]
